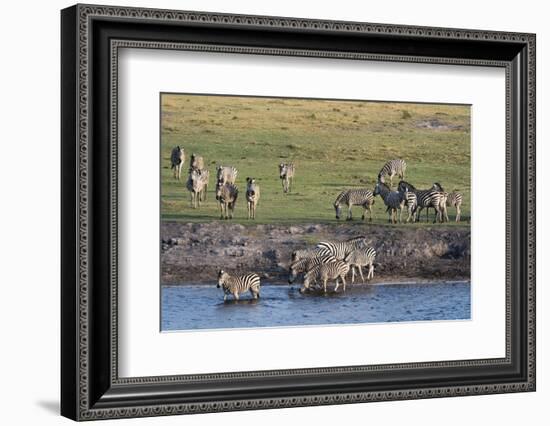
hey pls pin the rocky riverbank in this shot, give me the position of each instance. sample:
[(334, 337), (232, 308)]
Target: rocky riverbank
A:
[(193, 253)]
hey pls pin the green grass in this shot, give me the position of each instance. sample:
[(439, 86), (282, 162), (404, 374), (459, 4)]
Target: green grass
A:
[(335, 145)]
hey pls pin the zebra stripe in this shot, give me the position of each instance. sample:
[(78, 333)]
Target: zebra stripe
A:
[(391, 169), (286, 174), (236, 285), (340, 249), (394, 200), (304, 265), (226, 174), (354, 197), (360, 258), (327, 271)]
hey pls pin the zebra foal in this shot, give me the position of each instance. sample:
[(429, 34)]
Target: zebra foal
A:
[(239, 284), (354, 197), (453, 199), (392, 168), (327, 271), (301, 266), (177, 158), (226, 195), (286, 174), (252, 196), (361, 257)]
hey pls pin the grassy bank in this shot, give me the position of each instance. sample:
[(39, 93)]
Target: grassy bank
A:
[(335, 145)]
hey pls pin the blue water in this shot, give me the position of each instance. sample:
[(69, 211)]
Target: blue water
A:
[(195, 307)]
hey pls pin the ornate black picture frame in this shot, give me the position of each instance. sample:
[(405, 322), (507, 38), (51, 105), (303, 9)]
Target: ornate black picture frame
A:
[(91, 37)]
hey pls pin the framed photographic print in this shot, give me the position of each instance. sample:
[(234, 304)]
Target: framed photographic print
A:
[(263, 212)]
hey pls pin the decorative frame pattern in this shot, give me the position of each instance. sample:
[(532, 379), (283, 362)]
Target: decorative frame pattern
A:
[(88, 404)]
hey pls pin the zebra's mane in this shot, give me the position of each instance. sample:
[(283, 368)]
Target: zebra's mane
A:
[(406, 185)]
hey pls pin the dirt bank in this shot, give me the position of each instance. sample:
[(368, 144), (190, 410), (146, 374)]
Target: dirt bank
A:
[(193, 253)]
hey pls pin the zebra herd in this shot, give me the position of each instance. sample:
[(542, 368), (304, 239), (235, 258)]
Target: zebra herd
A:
[(406, 196), (226, 188), (317, 266)]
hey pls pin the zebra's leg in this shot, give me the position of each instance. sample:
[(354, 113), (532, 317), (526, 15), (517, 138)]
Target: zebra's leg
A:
[(457, 219), (437, 214), (344, 281), (248, 206), (325, 284), (236, 295), (371, 272), (353, 274), (361, 273), (224, 297), (337, 284), (400, 215), (349, 213), (255, 293)]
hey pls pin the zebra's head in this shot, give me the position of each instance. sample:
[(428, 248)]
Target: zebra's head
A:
[(338, 210), (437, 187), (293, 272), (222, 275), (307, 282), (282, 170)]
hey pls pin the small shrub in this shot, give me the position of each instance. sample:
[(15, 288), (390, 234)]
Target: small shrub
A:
[(405, 114)]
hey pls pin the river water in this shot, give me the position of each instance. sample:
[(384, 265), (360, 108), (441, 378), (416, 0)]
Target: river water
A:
[(199, 307)]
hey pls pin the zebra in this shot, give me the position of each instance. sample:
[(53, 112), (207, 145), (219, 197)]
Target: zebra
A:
[(340, 249), (226, 174), (394, 200), (196, 162), (197, 184), (304, 265), (355, 197), (361, 257), (327, 271), (252, 196), (391, 169), (227, 197), (177, 158), (308, 253), (238, 284), (286, 174), (453, 199), (426, 198)]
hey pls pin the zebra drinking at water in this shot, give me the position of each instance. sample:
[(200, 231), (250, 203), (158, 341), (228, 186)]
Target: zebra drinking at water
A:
[(361, 257), (426, 198), (226, 195), (354, 197), (177, 158), (391, 169), (452, 199), (226, 174), (236, 285), (286, 174), (327, 271), (340, 249), (394, 200), (197, 184), (304, 265), (252, 196)]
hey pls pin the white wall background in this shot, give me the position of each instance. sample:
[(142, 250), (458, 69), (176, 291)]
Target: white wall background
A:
[(29, 217)]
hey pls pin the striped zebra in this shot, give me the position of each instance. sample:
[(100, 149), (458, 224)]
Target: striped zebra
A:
[(301, 266), (426, 198), (227, 197), (327, 271), (361, 257), (394, 200), (286, 174), (453, 199), (392, 168), (177, 158), (197, 184), (226, 174), (340, 249), (236, 285), (354, 197), (252, 196), (308, 253), (196, 162)]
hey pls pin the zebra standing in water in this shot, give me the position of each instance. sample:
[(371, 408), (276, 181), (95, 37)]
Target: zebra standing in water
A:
[(340, 249), (394, 200), (197, 184), (236, 285), (355, 197), (177, 158), (226, 174), (391, 169), (227, 197), (252, 196), (360, 258), (327, 271), (453, 199), (304, 265), (426, 198), (286, 174)]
